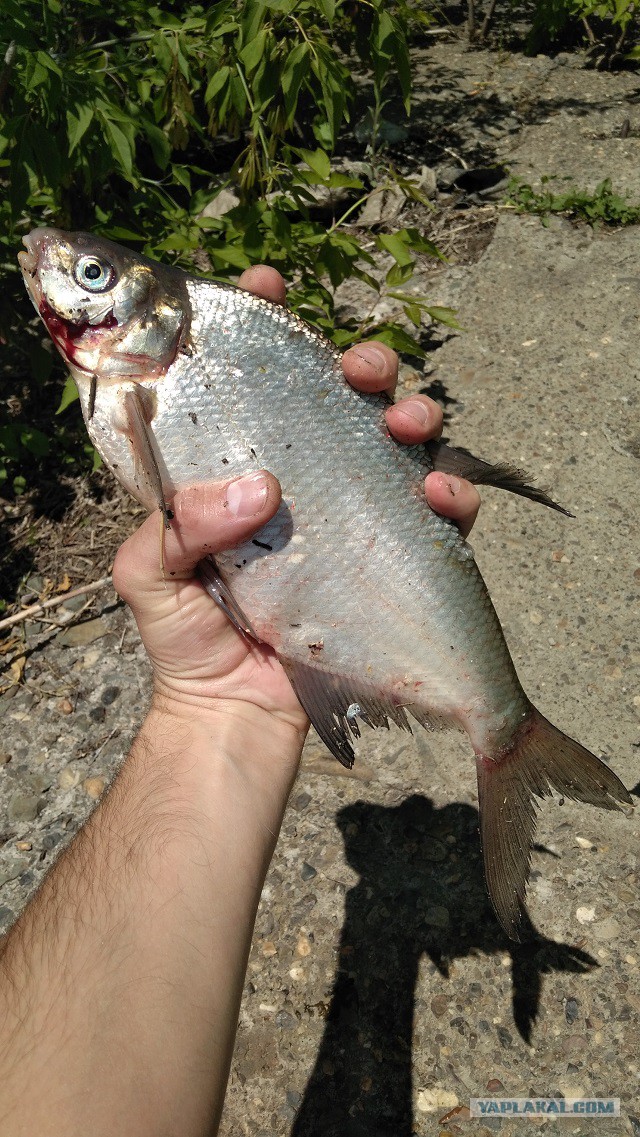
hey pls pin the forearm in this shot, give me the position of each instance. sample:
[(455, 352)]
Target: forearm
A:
[(120, 985)]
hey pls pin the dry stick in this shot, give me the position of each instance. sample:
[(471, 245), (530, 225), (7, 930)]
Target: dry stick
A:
[(588, 29), (34, 609), (486, 23)]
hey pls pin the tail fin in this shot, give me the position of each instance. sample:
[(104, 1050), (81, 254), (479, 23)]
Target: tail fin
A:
[(540, 760)]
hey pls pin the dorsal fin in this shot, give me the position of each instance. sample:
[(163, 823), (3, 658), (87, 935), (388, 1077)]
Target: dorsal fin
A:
[(456, 460)]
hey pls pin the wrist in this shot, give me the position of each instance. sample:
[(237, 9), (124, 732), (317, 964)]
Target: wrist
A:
[(228, 745)]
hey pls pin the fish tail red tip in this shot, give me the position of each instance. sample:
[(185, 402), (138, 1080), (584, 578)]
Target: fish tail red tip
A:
[(541, 759)]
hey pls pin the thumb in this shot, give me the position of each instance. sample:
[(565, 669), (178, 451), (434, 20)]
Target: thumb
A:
[(207, 519)]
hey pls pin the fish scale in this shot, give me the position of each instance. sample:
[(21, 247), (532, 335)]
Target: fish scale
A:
[(373, 603)]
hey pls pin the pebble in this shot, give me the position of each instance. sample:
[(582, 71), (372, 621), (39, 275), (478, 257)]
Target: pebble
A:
[(493, 1085), (65, 707), (303, 946), (433, 850), (301, 801), (24, 807), (68, 778), (82, 634), (607, 930), (585, 915), (437, 916), (5, 757), (14, 869), (439, 1005), (286, 1021), (109, 696), (585, 843), (435, 1098), (269, 949), (307, 872), (74, 603), (571, 1011), (94, 786)]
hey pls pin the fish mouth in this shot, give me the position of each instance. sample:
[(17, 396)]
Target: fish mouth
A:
[(29, 261)]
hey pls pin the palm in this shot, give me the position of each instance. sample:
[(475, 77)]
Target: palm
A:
[(194, 648)]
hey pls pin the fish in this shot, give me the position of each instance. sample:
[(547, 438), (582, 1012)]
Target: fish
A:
[(373, 603)]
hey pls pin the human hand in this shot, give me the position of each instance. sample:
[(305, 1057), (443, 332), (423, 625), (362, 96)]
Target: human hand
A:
[(201, 664)]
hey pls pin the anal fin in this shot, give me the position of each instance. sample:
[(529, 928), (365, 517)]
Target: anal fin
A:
[(334, 703), (456, 460)]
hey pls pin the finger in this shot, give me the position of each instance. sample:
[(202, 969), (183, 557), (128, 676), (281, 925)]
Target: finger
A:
[(206, 520), (415, 419), (371, 367), (454, 498), (264, 281)]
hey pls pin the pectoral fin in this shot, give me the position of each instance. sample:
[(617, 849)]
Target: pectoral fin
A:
[(453, 460), (219, 591), (142, 441)]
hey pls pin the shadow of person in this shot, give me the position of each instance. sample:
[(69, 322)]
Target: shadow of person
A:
[(421, 892)]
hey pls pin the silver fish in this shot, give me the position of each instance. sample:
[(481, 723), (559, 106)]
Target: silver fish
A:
[(373, 603)]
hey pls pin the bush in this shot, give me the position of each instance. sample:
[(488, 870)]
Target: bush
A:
[(123, 119)]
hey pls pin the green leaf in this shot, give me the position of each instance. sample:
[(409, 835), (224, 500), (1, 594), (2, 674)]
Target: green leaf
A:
[(399, 274), (216, 83), (445, 316), (413, 313), (78, 122), (393, 243), (397, 338), (119, 145), (159, 143), (69, 395), (293, 73), (252, 53), (318, 161), (328, 9), (35, 441)]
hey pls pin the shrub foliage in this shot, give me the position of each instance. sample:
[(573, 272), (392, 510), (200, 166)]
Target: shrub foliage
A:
[(128, 119)]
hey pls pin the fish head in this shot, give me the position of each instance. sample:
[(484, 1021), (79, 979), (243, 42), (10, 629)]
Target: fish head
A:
[(113, 315)]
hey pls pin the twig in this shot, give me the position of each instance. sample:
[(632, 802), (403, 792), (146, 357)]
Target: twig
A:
[(34, 609), (486, 23), (589, 30), (458, 157), (471, 20)]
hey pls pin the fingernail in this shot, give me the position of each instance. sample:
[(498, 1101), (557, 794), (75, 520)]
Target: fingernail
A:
[(371, 355), (416, 410), (454, 485), (247, 496)]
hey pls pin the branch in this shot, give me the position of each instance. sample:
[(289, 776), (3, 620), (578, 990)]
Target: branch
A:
[(34, 609)]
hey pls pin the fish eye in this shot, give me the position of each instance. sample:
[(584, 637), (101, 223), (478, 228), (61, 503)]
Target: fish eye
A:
[(94, 274)]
